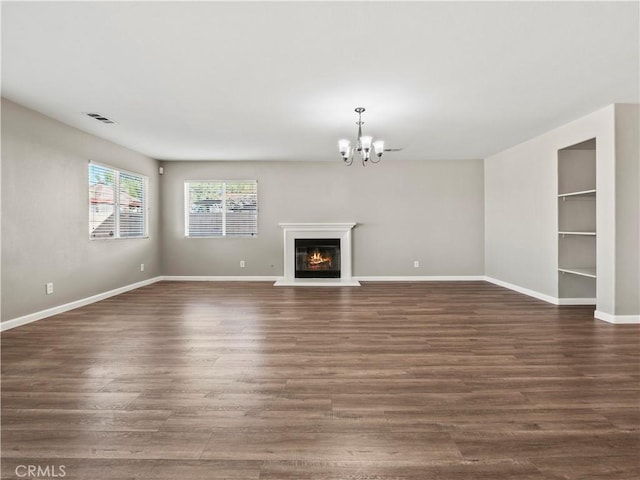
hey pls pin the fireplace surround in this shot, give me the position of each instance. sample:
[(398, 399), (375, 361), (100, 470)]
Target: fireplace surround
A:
[(322, 251)]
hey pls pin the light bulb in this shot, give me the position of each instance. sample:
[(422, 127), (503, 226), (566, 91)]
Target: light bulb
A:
[(378, 146), (366, 143), (343, 147)]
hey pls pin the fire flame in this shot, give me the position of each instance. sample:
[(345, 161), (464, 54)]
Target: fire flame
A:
[(317, 260)]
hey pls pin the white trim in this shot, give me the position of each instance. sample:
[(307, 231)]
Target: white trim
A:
[(576, 301), (525, 291), (116, 201), (326, 282), (33, 317), (293, 231), (111, 167), (542, 296), (607, 317), (433, 278), (218, 278), (316, 282), (318, 226)]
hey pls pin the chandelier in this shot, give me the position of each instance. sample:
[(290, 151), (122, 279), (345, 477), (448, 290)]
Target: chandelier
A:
[(362, 145)]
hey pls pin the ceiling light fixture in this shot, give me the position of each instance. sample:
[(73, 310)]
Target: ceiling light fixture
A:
[(362, 145)]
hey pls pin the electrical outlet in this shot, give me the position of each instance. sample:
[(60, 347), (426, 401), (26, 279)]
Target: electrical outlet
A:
[(416, 264), (49, 289), (241, 263), (142, 267)]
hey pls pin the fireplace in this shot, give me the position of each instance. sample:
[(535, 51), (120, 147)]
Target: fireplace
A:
[(317, 257)]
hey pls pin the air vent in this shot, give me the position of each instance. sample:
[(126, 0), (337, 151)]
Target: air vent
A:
[(100, 117)]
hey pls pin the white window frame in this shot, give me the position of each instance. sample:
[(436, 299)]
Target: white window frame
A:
[(116, 200), (224, 208)]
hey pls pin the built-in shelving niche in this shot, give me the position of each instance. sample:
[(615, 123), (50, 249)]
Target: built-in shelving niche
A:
[(577, 234)]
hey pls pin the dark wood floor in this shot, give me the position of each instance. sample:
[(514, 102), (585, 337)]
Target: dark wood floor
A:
[(394, 381)]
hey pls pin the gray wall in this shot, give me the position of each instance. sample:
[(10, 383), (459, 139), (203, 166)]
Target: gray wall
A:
[(520, 218), (446, 214), (427, 211), (627, 209), (45, 215), (521, 209)]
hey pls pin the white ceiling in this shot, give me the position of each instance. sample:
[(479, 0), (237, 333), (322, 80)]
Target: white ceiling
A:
[(279, 81)]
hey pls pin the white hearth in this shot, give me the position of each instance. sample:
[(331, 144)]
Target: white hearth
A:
[(317, 230)]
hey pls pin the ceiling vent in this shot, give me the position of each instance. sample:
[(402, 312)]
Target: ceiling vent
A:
[(100, 117)]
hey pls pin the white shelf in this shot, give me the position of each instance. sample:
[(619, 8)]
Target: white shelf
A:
[(583, 193), (582, 271), (578, 233), (577, 199)]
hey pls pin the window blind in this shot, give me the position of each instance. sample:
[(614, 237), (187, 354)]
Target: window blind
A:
[(221, 208), (132, 205), (117, 203)]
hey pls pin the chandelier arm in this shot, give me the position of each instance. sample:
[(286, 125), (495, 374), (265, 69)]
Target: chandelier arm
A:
[(348, 161), (367, 155)]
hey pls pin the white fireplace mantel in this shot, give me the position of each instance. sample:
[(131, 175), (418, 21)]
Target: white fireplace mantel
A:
[(317, 230)]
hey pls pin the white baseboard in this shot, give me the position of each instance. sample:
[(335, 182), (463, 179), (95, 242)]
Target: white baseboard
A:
[(33, 317), (433, 278), (220, 278), (279, 280), (606, 317), (525, 291), (542, 296), (576, 301), (618, 319)]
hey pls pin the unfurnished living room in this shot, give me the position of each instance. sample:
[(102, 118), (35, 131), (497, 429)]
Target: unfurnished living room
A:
[(320, 240)]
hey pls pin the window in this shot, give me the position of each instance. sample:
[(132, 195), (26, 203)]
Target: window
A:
[(221, 208), (117, 203)]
